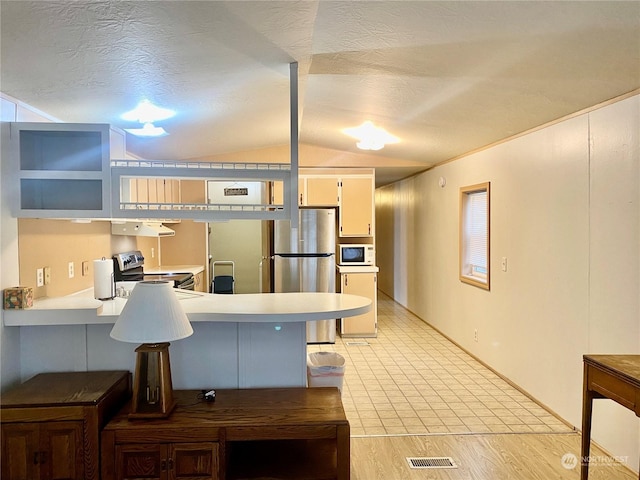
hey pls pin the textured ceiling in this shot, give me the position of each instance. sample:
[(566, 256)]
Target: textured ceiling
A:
[(446, 77)]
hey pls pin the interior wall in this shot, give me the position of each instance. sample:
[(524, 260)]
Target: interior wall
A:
[(238, 241), (11, 110), (565, 213), (189, 246), (55, 243)]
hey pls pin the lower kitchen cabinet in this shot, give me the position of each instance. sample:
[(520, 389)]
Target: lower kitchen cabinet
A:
[(363, 283), (51, 424), (198, 279), (171, 461)]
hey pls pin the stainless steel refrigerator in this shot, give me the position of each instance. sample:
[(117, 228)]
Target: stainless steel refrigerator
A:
[(304, 261)]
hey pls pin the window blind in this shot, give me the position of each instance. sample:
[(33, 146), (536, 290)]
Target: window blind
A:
[(476, 229)]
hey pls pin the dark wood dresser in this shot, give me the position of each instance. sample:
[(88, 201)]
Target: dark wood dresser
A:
[(275, 433), (51, 424)]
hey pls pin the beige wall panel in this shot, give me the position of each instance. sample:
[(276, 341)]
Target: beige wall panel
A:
[(565, 213), (55, 243)]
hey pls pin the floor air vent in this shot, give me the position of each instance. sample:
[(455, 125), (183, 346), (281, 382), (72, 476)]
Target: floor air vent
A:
[(431, 462), (358, 344)]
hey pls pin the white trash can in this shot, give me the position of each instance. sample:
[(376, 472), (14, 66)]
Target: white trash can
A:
[(325, 369)]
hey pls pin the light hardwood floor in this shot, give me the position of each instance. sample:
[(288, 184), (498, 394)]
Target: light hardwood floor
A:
[(410, 392), (535, 456)]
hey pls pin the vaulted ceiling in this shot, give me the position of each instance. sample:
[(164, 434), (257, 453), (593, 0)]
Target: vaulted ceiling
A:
[(445, 77)]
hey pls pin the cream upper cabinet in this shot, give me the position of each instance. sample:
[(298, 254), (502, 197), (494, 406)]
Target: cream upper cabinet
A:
[(154, 190), (365, 285), (356, 206), (302, 182), (322, 191), (168, 190)]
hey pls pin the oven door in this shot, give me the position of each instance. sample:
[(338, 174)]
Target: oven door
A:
[(188, 284)]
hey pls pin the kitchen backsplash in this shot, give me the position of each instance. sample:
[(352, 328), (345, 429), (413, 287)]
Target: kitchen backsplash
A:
[(56, 243)]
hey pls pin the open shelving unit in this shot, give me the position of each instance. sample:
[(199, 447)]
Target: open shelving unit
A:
[(123, 172), (62, 170), (59, 169)]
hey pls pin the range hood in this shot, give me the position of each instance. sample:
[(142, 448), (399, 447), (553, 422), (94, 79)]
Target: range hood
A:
[(141, 229)]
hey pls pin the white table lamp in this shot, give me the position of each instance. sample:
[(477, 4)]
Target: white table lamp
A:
[(152, 316)]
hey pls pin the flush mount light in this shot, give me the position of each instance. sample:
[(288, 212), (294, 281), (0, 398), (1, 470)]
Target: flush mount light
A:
[(370, 137), (147, 112), (148, 130)]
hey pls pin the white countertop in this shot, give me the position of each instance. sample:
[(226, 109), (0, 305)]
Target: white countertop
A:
[(164, 269), (357, 269), (83, 309)]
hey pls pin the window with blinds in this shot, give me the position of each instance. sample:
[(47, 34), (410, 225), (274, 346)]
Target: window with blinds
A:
[(474, 235)]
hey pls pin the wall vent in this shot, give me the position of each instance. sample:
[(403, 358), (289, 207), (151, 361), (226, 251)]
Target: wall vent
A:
[(431, 462)]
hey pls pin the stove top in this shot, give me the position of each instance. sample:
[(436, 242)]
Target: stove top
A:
[(129, 266)]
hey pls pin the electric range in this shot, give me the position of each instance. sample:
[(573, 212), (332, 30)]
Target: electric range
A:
[(129, 267)]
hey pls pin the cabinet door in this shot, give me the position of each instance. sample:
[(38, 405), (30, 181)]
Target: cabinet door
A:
[(356, 207), (142, 190), (156, 190), (322, 191), (363, 284), (20, 451), (141, 461), (199, 282), (61, 451), (49, 451), (171, 191), (193, 460), (302, 194), (277, 193)]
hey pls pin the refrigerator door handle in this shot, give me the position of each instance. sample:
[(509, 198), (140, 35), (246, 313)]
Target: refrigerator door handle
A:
[(303, 255)]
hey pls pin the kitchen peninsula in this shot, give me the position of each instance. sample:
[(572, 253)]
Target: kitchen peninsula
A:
[(239, 341)]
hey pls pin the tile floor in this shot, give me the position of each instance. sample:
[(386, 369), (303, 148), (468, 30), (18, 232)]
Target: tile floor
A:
[(411, 380)]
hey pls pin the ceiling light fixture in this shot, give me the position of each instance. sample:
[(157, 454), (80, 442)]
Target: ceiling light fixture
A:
[(370, 137), (148, 130), (146, 113)]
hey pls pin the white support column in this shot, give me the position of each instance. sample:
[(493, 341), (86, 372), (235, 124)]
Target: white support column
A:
[(293, 193)]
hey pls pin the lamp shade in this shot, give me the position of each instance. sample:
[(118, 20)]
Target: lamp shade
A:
[(152, 314)]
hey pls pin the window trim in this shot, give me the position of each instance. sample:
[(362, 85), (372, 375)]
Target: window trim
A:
[(480, 281)]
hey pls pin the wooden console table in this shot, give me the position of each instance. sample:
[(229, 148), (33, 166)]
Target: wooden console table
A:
[(616, 377), (284, 433)]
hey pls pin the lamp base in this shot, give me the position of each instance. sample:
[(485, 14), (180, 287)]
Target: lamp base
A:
[(152, 387)]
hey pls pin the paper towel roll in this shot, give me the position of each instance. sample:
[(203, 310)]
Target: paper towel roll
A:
[(103, 283)]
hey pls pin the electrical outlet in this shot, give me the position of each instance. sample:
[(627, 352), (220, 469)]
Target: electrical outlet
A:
[(85, 268), (39, 277), (47, 275), (71, 270), (475, 335), (504, 264)]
